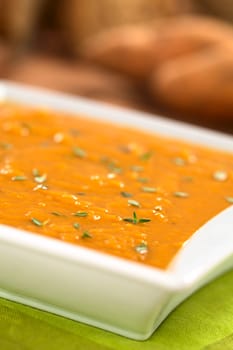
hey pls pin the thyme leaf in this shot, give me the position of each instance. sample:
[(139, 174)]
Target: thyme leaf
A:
[(220, 175), (86, 234), (80, 214), (229, 199), (146, 156), (141, 248), (133, 203), (79, 152), (149, 189), (19, 178), (38, 222), (135, 220), (126, 194), (76, 225), (137, 168), (56, 213), (5, 145), (143, 179), (181, 194)]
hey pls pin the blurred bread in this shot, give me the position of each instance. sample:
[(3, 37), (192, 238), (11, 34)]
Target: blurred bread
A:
[(136, 50), (19, 19), (81, 19), (221, 9), (200, 85)]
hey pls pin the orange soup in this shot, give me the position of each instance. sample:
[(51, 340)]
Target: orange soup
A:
[(117, 190)]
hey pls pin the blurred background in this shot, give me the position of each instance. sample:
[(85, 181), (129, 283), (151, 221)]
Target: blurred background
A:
[(170, 57)]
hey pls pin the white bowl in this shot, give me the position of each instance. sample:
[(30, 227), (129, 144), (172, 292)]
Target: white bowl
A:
[(98, 289)]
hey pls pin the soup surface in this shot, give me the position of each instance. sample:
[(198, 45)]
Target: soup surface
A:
[(120, 191)]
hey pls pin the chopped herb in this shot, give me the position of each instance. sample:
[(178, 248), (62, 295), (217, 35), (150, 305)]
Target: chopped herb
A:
[(135, 220), (220, 175), (105, 159), (187, 178), (40, 186), (129, 220), (25, 125), (56, 213), (146, 156), (115, 169), (179, 161), (133, 203), (86, 234), (149, 189), (143, 179), (80, 214), (40, 179), (137, 168), (76, 225), (126, 194), (19, 178), (142, 248), (158, 208), (37, 222), (5, 145), (124, 149), (79, 152), (35, 172), (141, 221), (111, 165), (181, 194), (74, 132), (229, 199)]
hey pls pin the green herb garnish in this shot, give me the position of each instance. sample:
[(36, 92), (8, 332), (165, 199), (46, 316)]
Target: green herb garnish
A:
[(19, 178), (35, 172), (135, 220), (187, 178), (80, 214), (133, 203), (142, 248), (181, 194), (56, 213), (111, 165), (126, 194), (146, 156), (229, 199), (137, 168), (38, 222), (40, 186), (79, 152), (220, 175), (25, 125), (149, 189), (5, 145), (86, 234), (76, 225), (114, 168), (179, 161), (143, 179), (74, 132), (40, 179)]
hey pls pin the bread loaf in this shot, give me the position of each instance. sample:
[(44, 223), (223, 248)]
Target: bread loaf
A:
[(200, 84), (82, 19), (19, 19), (137, 50)]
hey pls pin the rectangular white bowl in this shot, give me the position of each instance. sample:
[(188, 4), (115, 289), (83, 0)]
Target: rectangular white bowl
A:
[(98, 289)]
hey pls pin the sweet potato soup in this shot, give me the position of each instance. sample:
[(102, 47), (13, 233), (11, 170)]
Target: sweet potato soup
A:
[(109, 188)]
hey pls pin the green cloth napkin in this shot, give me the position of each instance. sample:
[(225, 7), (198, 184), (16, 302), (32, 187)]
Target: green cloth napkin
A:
[(204, 321)]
